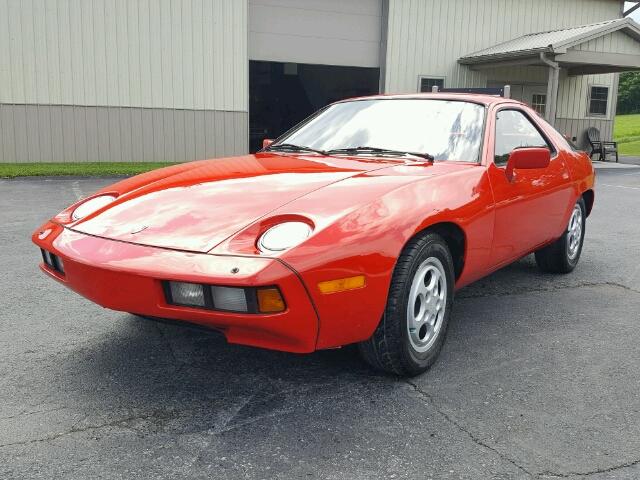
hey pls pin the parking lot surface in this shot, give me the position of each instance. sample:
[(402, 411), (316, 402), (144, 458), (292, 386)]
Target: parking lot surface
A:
[(539, 377)]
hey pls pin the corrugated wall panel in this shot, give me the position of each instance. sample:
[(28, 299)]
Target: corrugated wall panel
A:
[(316, 31), (141, 53), (615, 42), (426, 37), (20, 132), (573, 93), (123, 80), (5, 58), (580, 126), (72, 133), (451, 29), (57, 141), (505, 75)]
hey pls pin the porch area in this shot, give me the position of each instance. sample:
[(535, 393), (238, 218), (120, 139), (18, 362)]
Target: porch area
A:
[(569, 76)]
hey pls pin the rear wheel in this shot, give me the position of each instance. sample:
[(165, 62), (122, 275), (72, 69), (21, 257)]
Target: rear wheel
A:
[(414, 325), (563, 255)]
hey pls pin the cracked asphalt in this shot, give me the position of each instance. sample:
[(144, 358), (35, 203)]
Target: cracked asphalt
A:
[(539, 377)]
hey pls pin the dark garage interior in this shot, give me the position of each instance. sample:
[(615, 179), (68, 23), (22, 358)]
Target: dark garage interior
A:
[(283, 94)]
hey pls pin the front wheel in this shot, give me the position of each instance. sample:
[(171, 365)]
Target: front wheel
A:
[(414, 324), (562, 256)]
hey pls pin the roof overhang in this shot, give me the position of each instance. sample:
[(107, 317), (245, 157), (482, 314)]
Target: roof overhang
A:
[(532, 49), (588, 63)]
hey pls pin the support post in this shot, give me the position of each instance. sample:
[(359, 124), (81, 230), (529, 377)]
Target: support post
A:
[(552, 89)]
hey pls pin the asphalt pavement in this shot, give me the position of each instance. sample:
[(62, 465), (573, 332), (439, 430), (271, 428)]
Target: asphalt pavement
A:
[(539, 377)]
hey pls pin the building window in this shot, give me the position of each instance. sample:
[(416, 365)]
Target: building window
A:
[(598, 100), (539, 103), (427, 83)]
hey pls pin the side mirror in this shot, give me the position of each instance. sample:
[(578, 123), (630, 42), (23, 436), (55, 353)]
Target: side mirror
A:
[(266, 142), (527, 158)]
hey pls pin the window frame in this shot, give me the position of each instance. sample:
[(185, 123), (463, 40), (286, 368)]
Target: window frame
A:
[(552, 146), (590, 88), (543, 104), (430, 77)]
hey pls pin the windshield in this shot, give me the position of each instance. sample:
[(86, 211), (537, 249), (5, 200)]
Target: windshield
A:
[(447, 130)]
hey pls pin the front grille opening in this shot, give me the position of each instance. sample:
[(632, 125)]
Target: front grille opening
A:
[(52, 261)]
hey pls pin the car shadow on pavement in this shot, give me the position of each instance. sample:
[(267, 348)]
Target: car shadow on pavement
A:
[(142, 361), (182, 380), (500, 370), (139, 358)]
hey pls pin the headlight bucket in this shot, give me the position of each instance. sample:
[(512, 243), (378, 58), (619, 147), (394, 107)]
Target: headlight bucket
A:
[(91, 205), (283, 236)]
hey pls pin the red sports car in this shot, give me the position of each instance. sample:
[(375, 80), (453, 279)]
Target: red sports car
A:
[(356, 226)]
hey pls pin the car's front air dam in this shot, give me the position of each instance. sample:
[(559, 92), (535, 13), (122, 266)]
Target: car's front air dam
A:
[(128, 277)]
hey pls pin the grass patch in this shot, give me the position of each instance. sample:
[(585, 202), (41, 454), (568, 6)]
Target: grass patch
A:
[(627, 134), (630, 149), (627, 127), (11, 170)]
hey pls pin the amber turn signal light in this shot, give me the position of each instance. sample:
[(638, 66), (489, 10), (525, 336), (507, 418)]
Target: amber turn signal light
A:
[(270, 300), (342, 284)]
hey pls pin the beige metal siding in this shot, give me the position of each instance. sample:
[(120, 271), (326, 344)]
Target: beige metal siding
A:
[(578, 128), (573, 92), (517, 75), (573, 95), (136, 53), (330, 32), (122, 80), (426, 37), (78, 133), (617, 42)]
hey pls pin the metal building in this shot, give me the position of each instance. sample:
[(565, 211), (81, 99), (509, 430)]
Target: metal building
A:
[(177, 80)]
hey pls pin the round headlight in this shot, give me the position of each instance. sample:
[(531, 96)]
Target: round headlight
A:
[(283, 236), (91, 205)]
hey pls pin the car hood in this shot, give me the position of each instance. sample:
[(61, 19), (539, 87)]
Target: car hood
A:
[(194, 207)]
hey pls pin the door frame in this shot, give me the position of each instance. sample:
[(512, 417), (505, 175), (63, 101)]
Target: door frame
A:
[(499, 260)]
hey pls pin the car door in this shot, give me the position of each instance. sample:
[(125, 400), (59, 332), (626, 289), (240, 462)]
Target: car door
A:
[(529, 209)]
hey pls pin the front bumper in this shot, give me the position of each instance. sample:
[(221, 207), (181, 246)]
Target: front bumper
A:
[(128, 277)]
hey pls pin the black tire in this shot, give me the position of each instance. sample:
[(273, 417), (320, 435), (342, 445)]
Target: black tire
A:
[(556, 258), (390, 349)]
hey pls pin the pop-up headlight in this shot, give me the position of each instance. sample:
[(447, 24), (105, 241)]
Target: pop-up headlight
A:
[(283, 236), (91, 205)]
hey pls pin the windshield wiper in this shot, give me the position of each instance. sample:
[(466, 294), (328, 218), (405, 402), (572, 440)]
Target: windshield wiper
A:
[(384, 151), (290, 147)]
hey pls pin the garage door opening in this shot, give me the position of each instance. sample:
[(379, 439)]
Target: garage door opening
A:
[(283, 94)]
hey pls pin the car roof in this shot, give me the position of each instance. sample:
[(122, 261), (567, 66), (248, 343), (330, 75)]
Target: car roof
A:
[(460, 97)]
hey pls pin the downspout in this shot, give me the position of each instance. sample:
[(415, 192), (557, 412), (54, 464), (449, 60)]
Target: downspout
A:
[(552, 88)]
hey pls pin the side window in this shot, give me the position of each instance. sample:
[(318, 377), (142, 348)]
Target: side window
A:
[(513, 130), (598, 100)]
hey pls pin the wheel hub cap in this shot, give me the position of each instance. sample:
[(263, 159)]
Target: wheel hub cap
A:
[(574, 232), (427, 303)]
